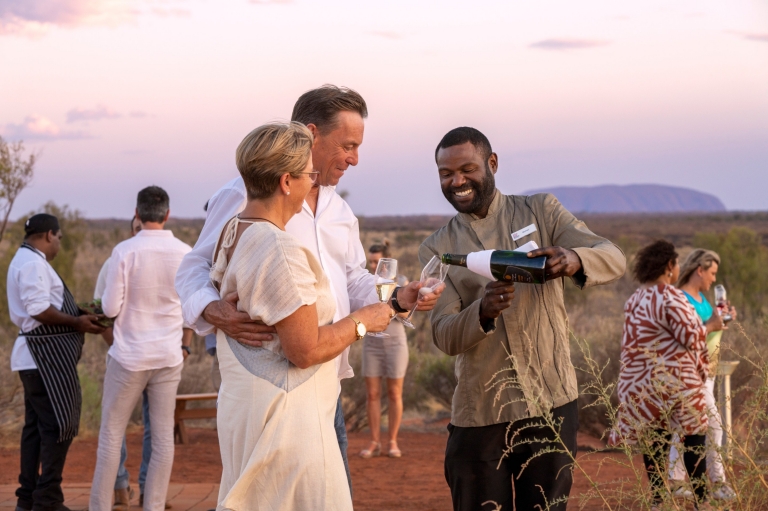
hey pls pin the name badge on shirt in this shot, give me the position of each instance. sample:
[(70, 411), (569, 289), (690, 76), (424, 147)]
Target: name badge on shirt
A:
[(525, 231)]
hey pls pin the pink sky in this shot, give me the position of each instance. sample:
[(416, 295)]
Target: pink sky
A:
[(120, 95)]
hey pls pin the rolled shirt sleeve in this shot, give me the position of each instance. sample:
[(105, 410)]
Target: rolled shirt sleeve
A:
[(35, 287), (193, 283), (114, 289)]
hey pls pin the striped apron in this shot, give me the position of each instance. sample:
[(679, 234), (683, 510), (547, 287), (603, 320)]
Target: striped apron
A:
[(56, 350)]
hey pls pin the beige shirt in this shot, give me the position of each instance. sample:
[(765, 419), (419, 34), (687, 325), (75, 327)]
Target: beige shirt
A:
[(522, 367)]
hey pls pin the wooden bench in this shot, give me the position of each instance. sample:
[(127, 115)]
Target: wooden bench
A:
[(182, 413)]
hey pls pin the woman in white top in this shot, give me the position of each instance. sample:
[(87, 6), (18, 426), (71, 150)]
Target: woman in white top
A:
[(277, 403)]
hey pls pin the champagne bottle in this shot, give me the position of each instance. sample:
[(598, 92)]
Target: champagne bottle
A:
[(502, 265)]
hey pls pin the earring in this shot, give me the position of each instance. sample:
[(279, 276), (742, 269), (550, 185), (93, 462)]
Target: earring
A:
[(288, 193), (670, 273)]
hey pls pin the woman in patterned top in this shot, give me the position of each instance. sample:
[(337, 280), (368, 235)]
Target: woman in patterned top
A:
[(664, 364)]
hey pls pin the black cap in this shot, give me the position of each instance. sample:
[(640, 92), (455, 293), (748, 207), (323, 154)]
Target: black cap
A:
[(42, 222)]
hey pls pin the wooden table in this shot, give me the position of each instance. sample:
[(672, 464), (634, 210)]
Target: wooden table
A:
[(182, 413)]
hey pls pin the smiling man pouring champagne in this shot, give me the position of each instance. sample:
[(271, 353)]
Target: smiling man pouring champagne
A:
[(513, 364)]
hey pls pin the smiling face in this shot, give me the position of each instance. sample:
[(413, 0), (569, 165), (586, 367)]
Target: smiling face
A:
[(466, 178), (335, 150)]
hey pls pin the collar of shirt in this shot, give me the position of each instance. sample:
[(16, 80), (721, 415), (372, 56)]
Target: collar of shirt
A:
[(493, 209), (160, 233)]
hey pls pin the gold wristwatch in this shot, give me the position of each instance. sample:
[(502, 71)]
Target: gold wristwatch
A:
[(360, 329)]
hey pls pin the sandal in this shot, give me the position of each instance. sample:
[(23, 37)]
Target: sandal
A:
[(394, 453), (370, 453)]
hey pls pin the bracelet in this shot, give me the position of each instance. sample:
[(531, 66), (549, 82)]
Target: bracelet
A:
[(186, 348), (396, 304)]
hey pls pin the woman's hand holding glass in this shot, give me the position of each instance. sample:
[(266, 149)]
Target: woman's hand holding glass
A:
[(375, 317)]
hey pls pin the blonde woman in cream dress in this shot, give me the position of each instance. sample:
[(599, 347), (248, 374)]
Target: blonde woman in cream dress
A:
[(277, 403)]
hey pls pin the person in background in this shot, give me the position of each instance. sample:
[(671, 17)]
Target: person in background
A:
[(697, 274), (384, 357), (45, 354), (123, 491), (150, 345), (511, 343), (664, 364)]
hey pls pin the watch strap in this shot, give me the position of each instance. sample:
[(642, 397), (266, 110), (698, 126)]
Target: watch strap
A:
[(395, 304)]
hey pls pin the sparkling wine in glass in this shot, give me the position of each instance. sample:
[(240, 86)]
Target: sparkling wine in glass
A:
[(721, 301), (432, 275), (386, 275)]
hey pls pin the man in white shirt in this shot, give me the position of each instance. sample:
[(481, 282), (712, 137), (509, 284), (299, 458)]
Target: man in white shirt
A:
[(45, 354), (123, 491), (148, 349), (326, 225)]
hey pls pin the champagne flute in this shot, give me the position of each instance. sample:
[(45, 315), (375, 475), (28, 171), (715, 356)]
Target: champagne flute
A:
[(386, 273), (432, 275)]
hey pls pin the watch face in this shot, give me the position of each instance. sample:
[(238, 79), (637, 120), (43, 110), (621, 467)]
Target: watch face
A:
[(361, 330)]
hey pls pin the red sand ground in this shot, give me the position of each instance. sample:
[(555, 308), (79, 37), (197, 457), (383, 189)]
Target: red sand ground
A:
[(414, 481)]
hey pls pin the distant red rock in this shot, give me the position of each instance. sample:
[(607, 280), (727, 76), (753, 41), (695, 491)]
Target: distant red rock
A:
[(633, 199)]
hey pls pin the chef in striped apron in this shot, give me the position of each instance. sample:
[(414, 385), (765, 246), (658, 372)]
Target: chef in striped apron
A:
[(46, 352)]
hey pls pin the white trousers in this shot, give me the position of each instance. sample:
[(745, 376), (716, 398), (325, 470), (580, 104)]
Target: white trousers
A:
[(715, 469), (122, 390)]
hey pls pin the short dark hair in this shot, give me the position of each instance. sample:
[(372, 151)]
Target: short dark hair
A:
[(652, 260), (462, 135), (152, 204), (321, 106)]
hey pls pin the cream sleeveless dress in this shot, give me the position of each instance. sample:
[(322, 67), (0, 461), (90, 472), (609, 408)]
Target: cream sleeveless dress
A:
[(278, 446)]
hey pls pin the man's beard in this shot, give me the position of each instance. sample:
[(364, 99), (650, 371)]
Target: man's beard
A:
[(483, 193)]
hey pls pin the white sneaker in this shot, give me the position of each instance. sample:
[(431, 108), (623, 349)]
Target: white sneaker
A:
[(683, 492), (679, 489), (724, 492)]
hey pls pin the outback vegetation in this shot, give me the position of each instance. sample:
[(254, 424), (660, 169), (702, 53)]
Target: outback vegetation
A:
[(595, 315)]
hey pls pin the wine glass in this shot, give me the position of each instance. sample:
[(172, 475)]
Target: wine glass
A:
[(432, 275), (721, 302), (386, 273)]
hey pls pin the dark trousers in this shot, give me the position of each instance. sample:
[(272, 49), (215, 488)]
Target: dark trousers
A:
[(694, 456), (42, 457), (477, 474)]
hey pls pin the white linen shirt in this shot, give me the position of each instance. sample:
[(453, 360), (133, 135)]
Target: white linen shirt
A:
[(101, 280), (332, 235), (32, 287), (140, 293)]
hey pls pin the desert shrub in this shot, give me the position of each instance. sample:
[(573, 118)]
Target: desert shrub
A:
[(437, 377)]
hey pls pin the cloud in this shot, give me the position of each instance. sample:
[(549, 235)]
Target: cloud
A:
[(96, 114), (270, 2), (138, 114), (750, 36), (564, 43), (37, 127), (172, 13), (387, 34), (35, 17)]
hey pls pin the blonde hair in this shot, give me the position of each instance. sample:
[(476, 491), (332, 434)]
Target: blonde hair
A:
[(699, 258), (270, 151)]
